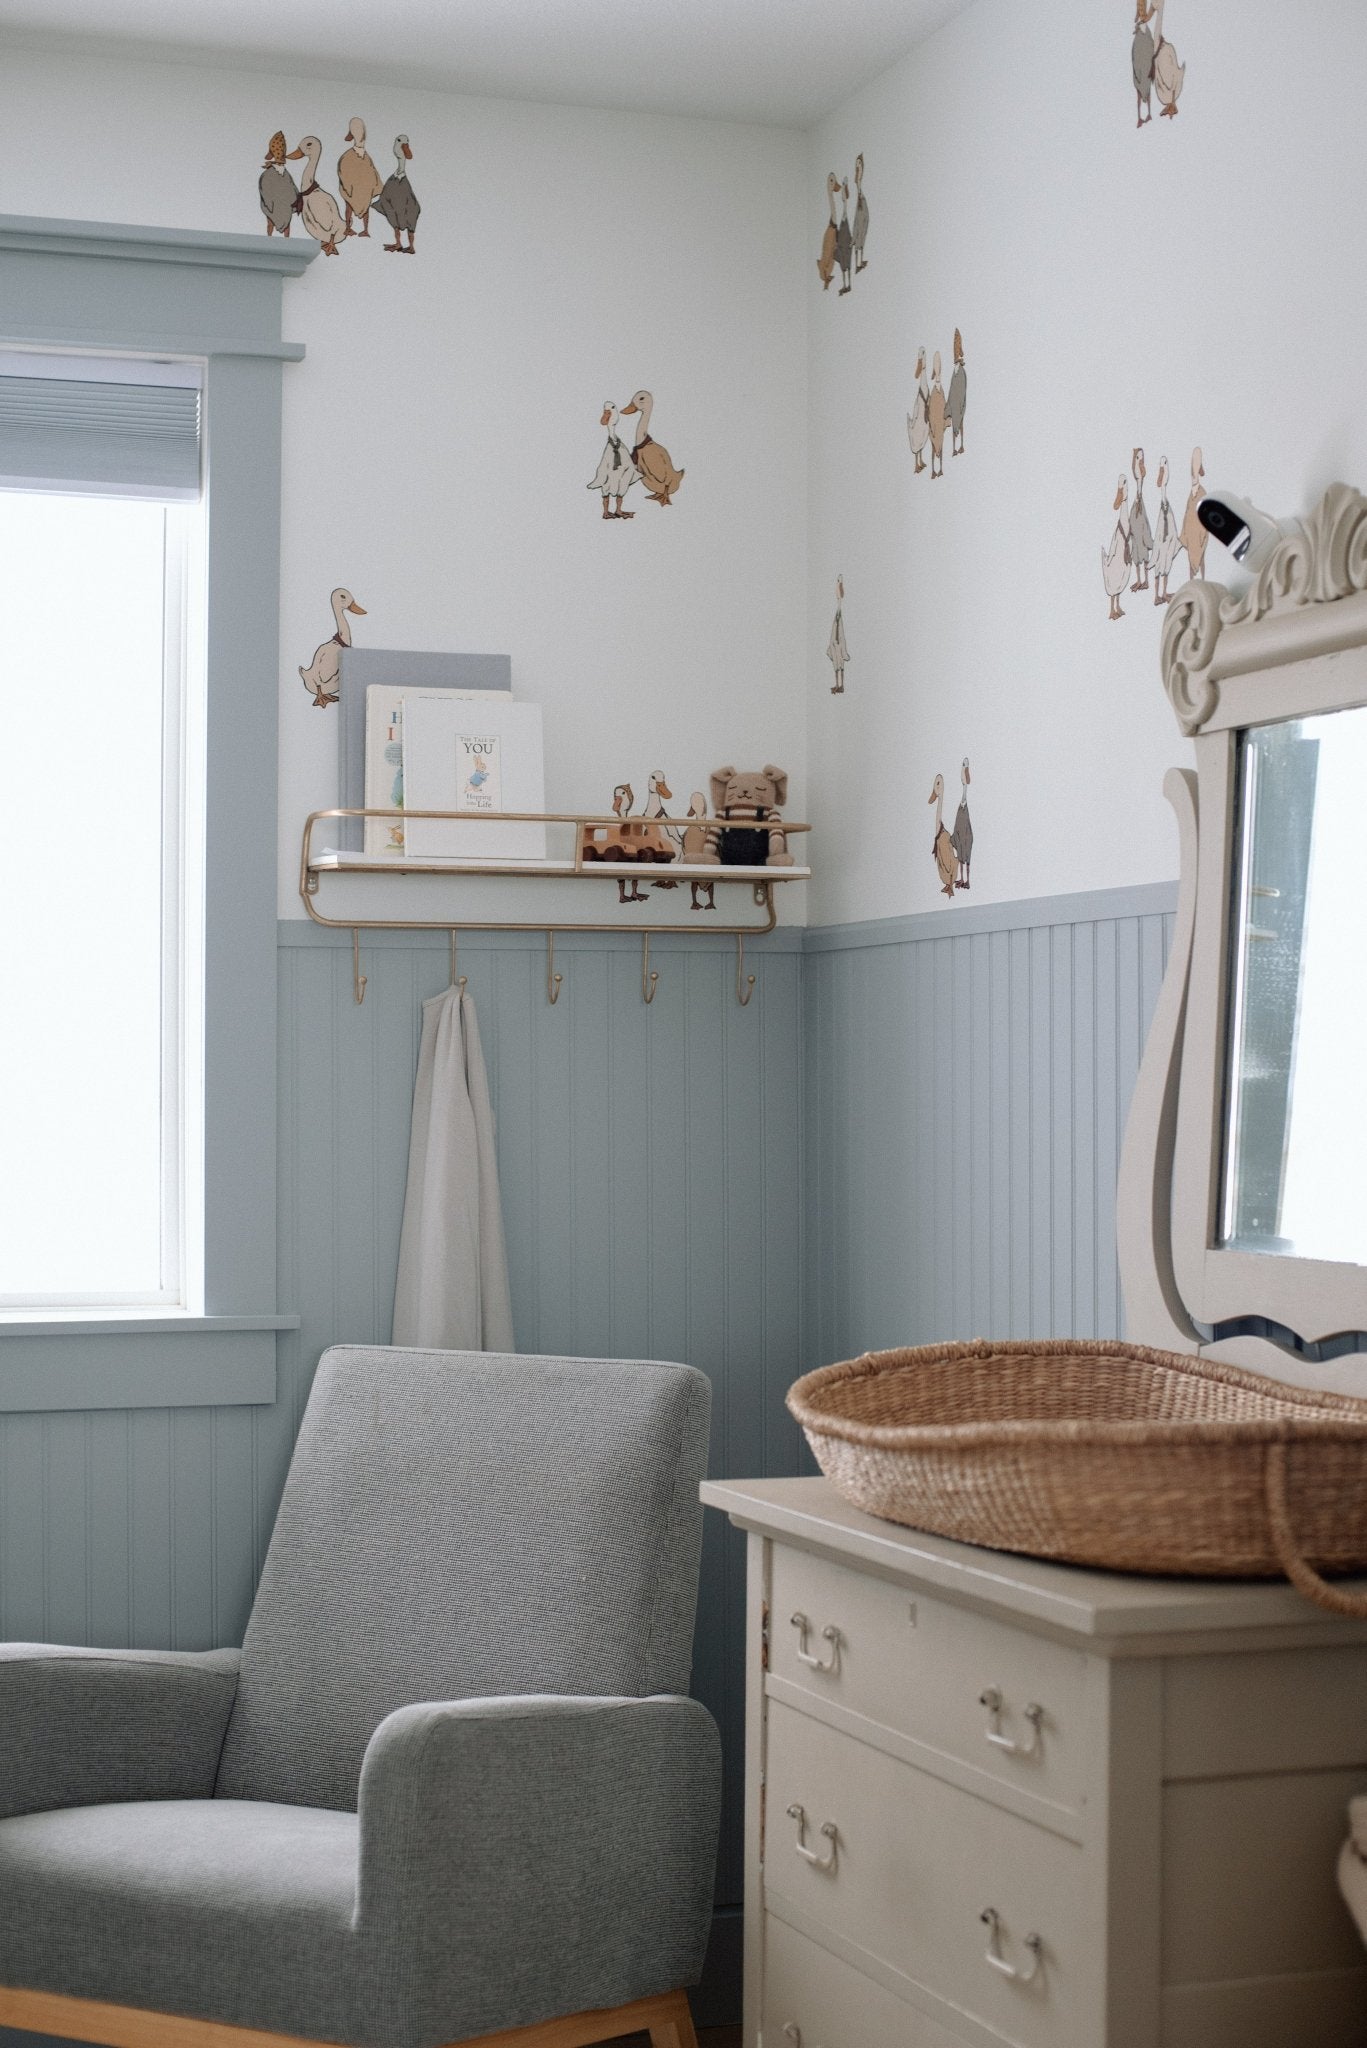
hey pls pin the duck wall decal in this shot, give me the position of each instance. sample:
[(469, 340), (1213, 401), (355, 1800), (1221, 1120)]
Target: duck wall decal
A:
[(1141, 533), (657, 470), (1167, 541), (616, 471), (861, 217), (358, 180), (1141, 60), (942, 846), (1115, 559), (1193, 533), (962, 834), (918, 419), (937, 413), (695, 848), (323, 673), (398, 202), (844, 240), (958, 397), (837, 653), (319, 211), (1168, 74), (279, 193), (825, 262)]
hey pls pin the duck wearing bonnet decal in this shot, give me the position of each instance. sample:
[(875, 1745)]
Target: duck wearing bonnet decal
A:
[(279, 193)]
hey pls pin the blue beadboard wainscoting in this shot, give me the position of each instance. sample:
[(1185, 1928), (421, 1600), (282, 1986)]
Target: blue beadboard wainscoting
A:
[(968, 1074), (912, 1132)]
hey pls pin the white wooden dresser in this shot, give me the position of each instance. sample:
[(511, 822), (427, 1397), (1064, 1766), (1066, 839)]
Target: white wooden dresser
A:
[(995, 1800)]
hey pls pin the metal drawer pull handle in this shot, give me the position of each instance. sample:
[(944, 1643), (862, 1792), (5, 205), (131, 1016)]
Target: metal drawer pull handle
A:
[(826, 1862), (1034, 1714), (991, 1919), (830, 1634)]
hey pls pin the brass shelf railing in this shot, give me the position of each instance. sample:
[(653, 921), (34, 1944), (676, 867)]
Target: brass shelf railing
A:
[(760, 879)]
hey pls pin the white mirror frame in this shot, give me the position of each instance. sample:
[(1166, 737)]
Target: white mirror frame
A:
[(1291, 645)]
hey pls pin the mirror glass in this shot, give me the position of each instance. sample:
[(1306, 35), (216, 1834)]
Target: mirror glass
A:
[(1295, 1150)]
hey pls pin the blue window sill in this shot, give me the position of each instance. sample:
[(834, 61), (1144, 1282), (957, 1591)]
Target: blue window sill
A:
[(167, 1361)]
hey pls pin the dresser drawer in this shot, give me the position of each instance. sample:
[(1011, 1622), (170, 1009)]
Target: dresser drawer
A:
[(813, 2000), (901, 1866), (934, 1673)]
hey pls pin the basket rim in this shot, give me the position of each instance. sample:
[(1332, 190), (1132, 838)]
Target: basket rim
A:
[(1325, 1416)]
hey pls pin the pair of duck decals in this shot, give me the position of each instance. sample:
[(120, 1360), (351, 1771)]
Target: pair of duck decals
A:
[(1138, 545), (952, 851), (359, 182), (1153, 62), (934, 411), (843, 242), (645, 462)]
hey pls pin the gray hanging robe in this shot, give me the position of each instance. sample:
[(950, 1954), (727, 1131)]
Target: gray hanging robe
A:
[(452, 1291)]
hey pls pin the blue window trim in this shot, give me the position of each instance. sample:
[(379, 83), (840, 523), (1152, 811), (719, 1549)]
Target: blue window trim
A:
[(108, 288)]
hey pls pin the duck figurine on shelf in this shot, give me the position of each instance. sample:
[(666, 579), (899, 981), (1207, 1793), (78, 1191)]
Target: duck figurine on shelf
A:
[(318, 210), (398, 202), (657, 471), (324, 672)]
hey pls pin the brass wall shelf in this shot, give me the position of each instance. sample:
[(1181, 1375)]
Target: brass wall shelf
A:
[(313, 867)]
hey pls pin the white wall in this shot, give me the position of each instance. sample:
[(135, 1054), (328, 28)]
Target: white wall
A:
[(440, 434), (1201, 281)]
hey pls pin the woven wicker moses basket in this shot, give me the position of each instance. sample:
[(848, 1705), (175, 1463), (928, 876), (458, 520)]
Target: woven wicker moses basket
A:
[(1101, 1454)]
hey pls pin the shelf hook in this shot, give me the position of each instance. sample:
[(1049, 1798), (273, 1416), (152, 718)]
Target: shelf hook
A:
[(649, 975), (553, 980), (461, 980), (358, 980), (744, 988)]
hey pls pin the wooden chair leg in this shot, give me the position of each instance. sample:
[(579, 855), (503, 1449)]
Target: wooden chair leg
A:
[(674, 2028)]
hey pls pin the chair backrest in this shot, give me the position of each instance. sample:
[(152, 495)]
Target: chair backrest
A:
[(457, 1525)]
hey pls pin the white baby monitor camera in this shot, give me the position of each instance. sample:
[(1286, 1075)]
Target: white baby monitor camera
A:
[(1250, 535)]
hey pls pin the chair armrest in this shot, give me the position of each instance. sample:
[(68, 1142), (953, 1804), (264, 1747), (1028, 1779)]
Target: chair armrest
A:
[(89, 1727), (525, 1857)]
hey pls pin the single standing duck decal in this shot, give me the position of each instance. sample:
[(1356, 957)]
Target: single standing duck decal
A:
[(942, 846), (1167, 541), (616, 472), (837, 653), (1168, 74), (958, 397), (825, 262), (323, 673), (938, 414), (1141, 533), (398, 202), (962, 834), (1115, 559), (844, 240), (358, 180), (279, 193), (319, 211), (657, 471), (1141, 60), (918, 419), (1193, 533), (861, 218)]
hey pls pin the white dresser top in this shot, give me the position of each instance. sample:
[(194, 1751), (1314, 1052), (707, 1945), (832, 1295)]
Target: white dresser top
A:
[(1118, 1614)]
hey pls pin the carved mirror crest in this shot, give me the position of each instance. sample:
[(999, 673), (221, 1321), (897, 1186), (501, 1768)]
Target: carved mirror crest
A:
[(1242, 1209)]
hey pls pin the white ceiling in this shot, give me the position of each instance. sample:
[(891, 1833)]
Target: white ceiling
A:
[(781, 61)]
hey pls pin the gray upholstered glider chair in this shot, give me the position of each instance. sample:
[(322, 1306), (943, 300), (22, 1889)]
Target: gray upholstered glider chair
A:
[(450, 1786)]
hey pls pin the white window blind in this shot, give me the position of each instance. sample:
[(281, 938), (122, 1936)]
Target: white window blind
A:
[(101, 426)]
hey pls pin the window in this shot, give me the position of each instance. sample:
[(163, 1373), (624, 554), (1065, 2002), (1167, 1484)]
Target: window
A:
[(143, 365), (100, 866)]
